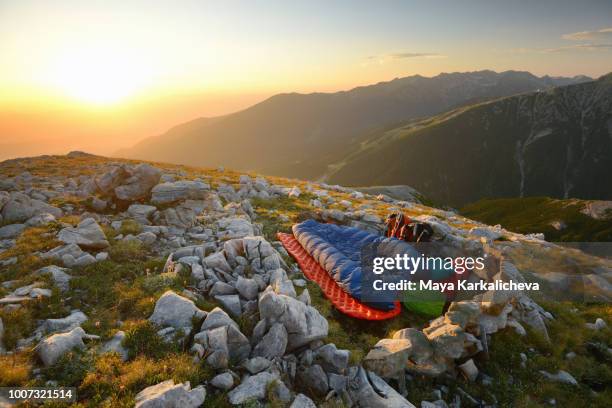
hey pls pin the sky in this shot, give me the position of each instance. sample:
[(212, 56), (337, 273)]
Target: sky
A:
[(101, 75)]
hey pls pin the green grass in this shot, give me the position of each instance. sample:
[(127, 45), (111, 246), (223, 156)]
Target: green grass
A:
[(535, 214)]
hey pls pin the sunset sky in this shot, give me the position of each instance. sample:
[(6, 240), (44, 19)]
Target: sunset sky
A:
[(100, 75)]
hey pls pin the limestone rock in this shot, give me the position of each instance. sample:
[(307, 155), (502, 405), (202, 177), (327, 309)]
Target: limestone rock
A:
[(53, 347), (169, 395), (175, 311), (87, 234), (253, 387)]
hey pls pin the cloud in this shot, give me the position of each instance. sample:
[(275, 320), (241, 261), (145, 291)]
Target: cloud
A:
[(383, 58), (403, 55), (579, 47), (602, 34)]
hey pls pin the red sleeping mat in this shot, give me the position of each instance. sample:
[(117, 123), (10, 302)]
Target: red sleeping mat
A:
[(339, 298)]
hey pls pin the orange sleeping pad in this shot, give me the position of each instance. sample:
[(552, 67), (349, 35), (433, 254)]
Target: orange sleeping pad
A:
[(339, 298)]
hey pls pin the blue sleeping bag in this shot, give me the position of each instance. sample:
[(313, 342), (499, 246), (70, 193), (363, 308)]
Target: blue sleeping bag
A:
[(338, 250)]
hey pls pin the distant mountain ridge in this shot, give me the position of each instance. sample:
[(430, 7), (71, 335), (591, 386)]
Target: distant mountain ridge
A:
[(300, 135), (555, 143)]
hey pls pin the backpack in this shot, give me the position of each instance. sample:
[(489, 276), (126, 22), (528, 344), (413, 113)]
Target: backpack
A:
[(402, 227)]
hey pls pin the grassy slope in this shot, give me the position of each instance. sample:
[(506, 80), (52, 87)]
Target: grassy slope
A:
[(125, 288), (536, 214)]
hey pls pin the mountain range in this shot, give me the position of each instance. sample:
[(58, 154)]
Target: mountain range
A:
[(555, 143), (300, 135)]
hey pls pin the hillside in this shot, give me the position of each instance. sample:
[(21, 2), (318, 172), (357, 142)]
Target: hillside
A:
[(558, 220), (135, 282), (552, 143), (299, 135)]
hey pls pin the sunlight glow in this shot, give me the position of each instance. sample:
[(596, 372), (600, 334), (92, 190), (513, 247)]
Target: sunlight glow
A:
[(98, 75)]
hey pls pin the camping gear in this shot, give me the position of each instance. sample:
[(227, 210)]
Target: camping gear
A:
[(404, 228), (338, 250), (341, 300)]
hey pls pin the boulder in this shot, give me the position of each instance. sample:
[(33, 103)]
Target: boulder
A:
[(169, 395), (256, 364), (115, 345), (52, 348), (11, 231), (230, 303), (273, 344), (302, 401), (138, 185), (236, 227), (175, 311), (141, 212), (331, 359), (223, 381), (87, 234), (369, 390), (252, 388), (40, 220), (247, 288), (179, 190), (20, 208), (59, 276), (75, 319), (388, 357), (420, 348), (304, 323), (313, 379)]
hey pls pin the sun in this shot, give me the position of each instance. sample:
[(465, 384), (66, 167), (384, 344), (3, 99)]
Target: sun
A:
[(98, 75)]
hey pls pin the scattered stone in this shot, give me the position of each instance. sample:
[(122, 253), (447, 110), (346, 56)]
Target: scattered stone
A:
[(75, 319), (388, 357), (304, 323), (20, 208), (87, 234), (223, 381), (598, 325), (273, 344), (256, 364), (59, 276), (175, 311), (179, 190), (252, 388), (248, 288), (371, 391), (167, 394), (313, 379), (115, 345), (561, 376), (302, 401), (11, 231), (52, 348)]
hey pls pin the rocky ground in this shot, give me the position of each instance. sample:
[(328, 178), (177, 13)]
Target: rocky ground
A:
[(161, 285)]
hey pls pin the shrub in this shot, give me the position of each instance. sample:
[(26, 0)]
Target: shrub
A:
[(141, 338), (128, 251), (15, 370), (130, 227)]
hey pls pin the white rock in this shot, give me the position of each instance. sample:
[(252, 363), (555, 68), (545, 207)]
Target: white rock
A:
[(168, 395), (304, 323), (302, 401), (253, 387), (175, 311), (53, 347), (115, 345), (561, 376), (223, 381), (87, 234)]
